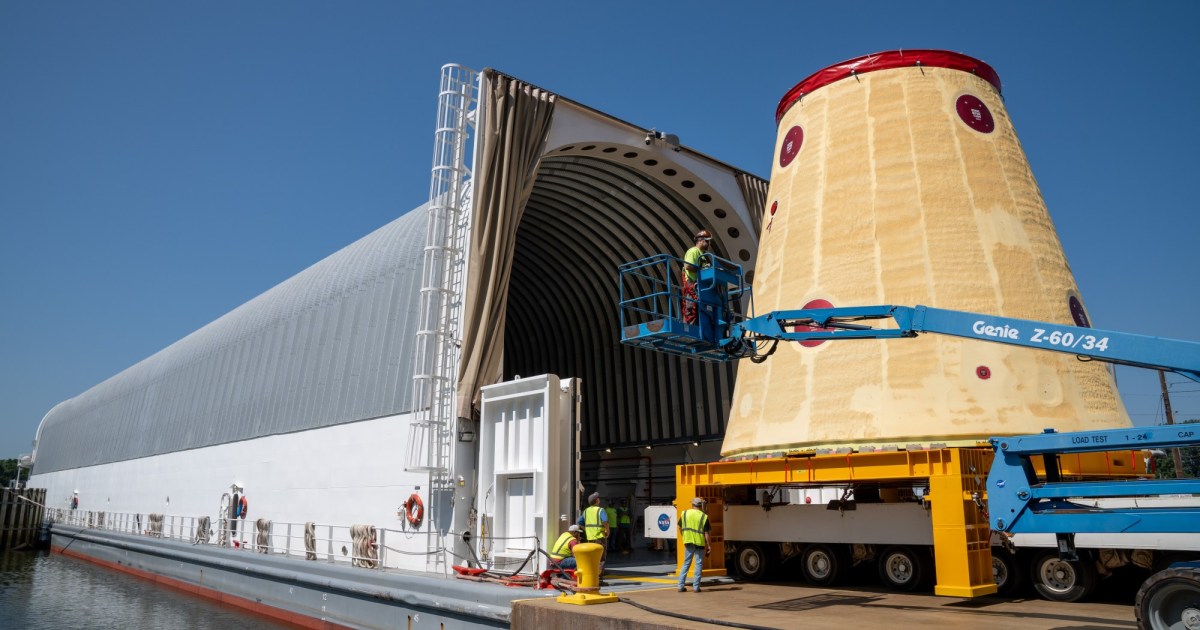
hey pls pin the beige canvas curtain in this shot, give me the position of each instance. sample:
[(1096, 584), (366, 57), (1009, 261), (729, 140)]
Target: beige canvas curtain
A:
[(515, 119), (754, 192)]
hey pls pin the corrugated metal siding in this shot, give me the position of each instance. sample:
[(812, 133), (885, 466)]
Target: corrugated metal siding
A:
[(331, 345)]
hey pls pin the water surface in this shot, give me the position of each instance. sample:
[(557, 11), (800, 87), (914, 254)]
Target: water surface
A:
[(43, 590)]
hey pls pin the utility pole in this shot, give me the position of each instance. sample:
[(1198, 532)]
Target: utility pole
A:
[(1175, 455)]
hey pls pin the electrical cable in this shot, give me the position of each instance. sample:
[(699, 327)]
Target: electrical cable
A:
[(759, 358), (718, 622), (554, 581)]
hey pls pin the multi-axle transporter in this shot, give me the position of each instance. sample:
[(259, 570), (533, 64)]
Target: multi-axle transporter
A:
[(1062, 508)]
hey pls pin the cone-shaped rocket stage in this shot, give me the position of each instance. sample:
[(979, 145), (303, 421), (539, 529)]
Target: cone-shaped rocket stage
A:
[(898, 179)]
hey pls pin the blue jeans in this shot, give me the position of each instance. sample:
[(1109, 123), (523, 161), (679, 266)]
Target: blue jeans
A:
[(691, 552), (567, 563)]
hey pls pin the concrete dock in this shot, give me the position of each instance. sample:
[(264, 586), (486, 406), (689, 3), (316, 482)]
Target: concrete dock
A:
[(789, 606), (324, 595)]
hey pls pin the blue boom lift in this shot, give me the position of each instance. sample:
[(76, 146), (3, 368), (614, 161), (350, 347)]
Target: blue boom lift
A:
[(1018, 500)]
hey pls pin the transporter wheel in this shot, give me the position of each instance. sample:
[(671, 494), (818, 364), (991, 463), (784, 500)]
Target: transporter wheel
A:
[(903, 568), (1169, 599), (1005, 571), (823, 564), (1063, 580), (753, 562)]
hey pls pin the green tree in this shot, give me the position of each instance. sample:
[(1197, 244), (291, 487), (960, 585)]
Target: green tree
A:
[(8, 471), (1190, 455)]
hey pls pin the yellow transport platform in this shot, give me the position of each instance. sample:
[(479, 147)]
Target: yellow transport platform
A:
[(956, 478)]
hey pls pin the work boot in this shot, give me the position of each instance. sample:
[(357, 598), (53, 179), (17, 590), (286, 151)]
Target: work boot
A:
[(682, 589)]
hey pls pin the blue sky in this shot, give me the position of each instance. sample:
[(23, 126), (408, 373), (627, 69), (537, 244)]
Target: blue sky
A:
[(162, 163)]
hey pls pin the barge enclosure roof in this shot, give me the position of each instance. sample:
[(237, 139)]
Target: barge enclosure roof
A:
[(335, 343), (330, 345)]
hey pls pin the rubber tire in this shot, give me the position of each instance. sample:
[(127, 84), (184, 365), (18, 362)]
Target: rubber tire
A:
[(1166, 597), (1076, 585), (753, 562), (903, 568), (1012, 569), (823, 565)]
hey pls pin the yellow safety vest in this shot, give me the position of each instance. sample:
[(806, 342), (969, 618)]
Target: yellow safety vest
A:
[(592, 527), (692, 526), (624, 518), (562, 547)]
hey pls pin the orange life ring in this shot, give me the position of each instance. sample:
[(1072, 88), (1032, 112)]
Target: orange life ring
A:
[(414, 510)]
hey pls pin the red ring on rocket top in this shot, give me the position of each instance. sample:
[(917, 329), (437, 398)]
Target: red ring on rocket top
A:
[(886, 61)]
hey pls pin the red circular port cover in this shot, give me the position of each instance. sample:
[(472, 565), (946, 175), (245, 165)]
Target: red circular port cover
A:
[(791, 146), (973, 112)]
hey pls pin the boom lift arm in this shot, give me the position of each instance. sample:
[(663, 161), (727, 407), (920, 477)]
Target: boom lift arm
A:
[(1181, 357), (650, 319)]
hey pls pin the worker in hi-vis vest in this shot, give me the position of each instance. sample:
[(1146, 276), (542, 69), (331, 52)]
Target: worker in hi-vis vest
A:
[(693, 261), (624, 528), (563, 549), (694, 527), (594, 522), (611, 512)]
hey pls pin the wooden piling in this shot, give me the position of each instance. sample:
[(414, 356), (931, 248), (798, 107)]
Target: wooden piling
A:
[(21, 514), (5, 499)]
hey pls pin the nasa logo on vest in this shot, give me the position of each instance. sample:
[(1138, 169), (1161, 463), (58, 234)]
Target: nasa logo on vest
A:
[(664, 522)]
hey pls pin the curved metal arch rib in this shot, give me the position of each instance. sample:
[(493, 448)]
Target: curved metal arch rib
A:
[(585, 217)]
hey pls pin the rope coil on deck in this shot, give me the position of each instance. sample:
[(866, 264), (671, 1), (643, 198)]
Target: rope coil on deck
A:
[(310, 541), (155, 525), (262, 542), (363, 538), (202, 531)]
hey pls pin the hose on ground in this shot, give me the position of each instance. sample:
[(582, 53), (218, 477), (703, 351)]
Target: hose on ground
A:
[(718, 622), (559, 582), (562, 584)]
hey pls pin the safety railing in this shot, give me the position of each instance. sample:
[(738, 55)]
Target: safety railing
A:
[(649, 290), (325, 543), (652, 288)]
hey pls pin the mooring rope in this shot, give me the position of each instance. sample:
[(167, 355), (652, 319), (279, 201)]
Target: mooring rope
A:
[(202, 533), (156, 525), (310, 541), (262, 543), (363, 537)]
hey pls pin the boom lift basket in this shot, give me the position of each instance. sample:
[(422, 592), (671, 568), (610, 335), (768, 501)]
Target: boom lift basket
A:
[(652, 305)]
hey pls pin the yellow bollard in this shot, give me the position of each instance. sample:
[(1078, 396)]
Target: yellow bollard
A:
[(587, 556)]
